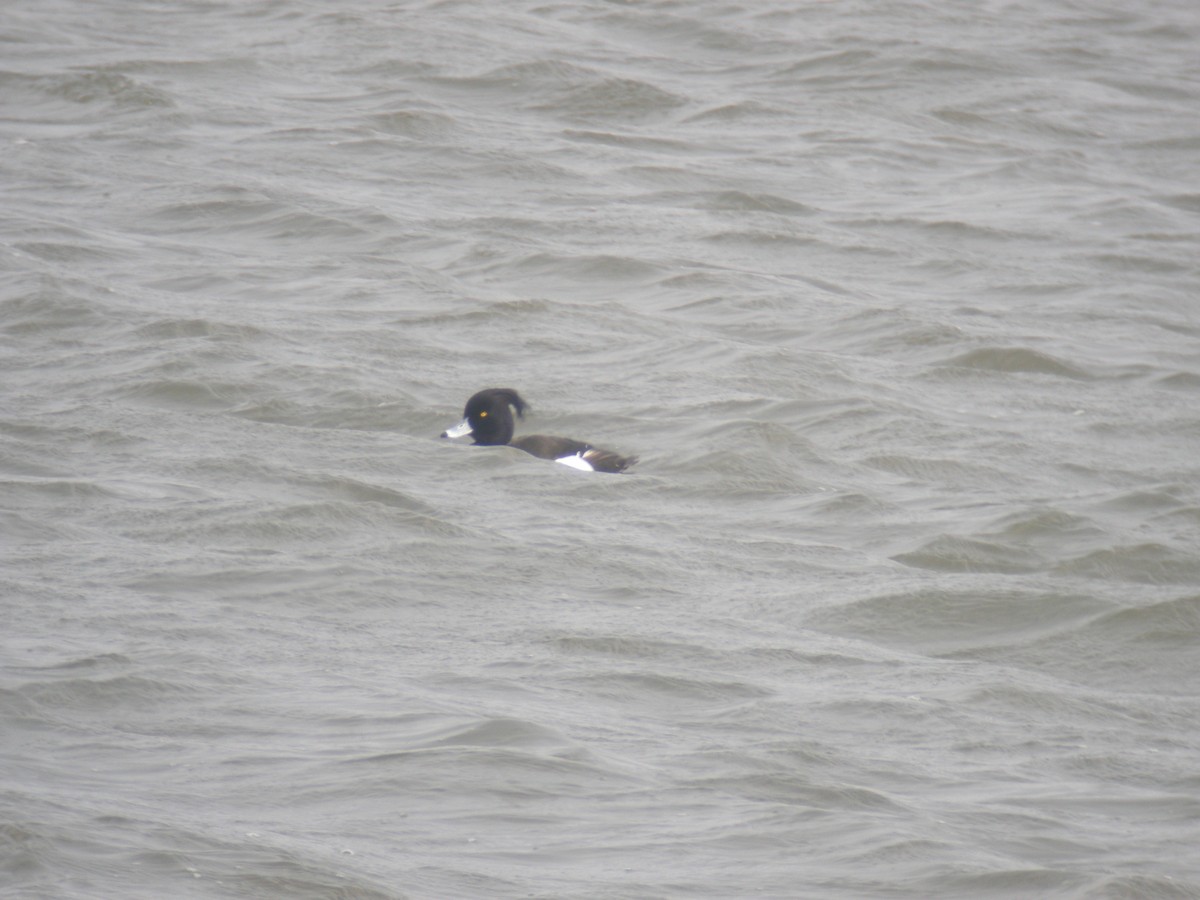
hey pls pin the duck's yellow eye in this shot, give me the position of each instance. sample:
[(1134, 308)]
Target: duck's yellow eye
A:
[(483, 415)]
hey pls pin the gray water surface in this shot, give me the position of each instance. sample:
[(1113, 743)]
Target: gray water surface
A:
[(899, 304)]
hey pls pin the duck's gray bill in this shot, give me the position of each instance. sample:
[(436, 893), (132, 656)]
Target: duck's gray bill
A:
[(462, 429)]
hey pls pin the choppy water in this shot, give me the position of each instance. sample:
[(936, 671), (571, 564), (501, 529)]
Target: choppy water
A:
[(899, 303)]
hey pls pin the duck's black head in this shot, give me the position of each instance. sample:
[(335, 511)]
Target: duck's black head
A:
[(487, 416)]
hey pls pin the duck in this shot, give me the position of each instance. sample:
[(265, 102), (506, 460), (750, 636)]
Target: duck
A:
[(488, 418)]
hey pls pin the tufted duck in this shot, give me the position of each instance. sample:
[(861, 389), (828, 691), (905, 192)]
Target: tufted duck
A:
[(488, 418)]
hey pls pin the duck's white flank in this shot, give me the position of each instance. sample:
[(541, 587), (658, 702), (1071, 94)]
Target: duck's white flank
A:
[(577, 461)]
